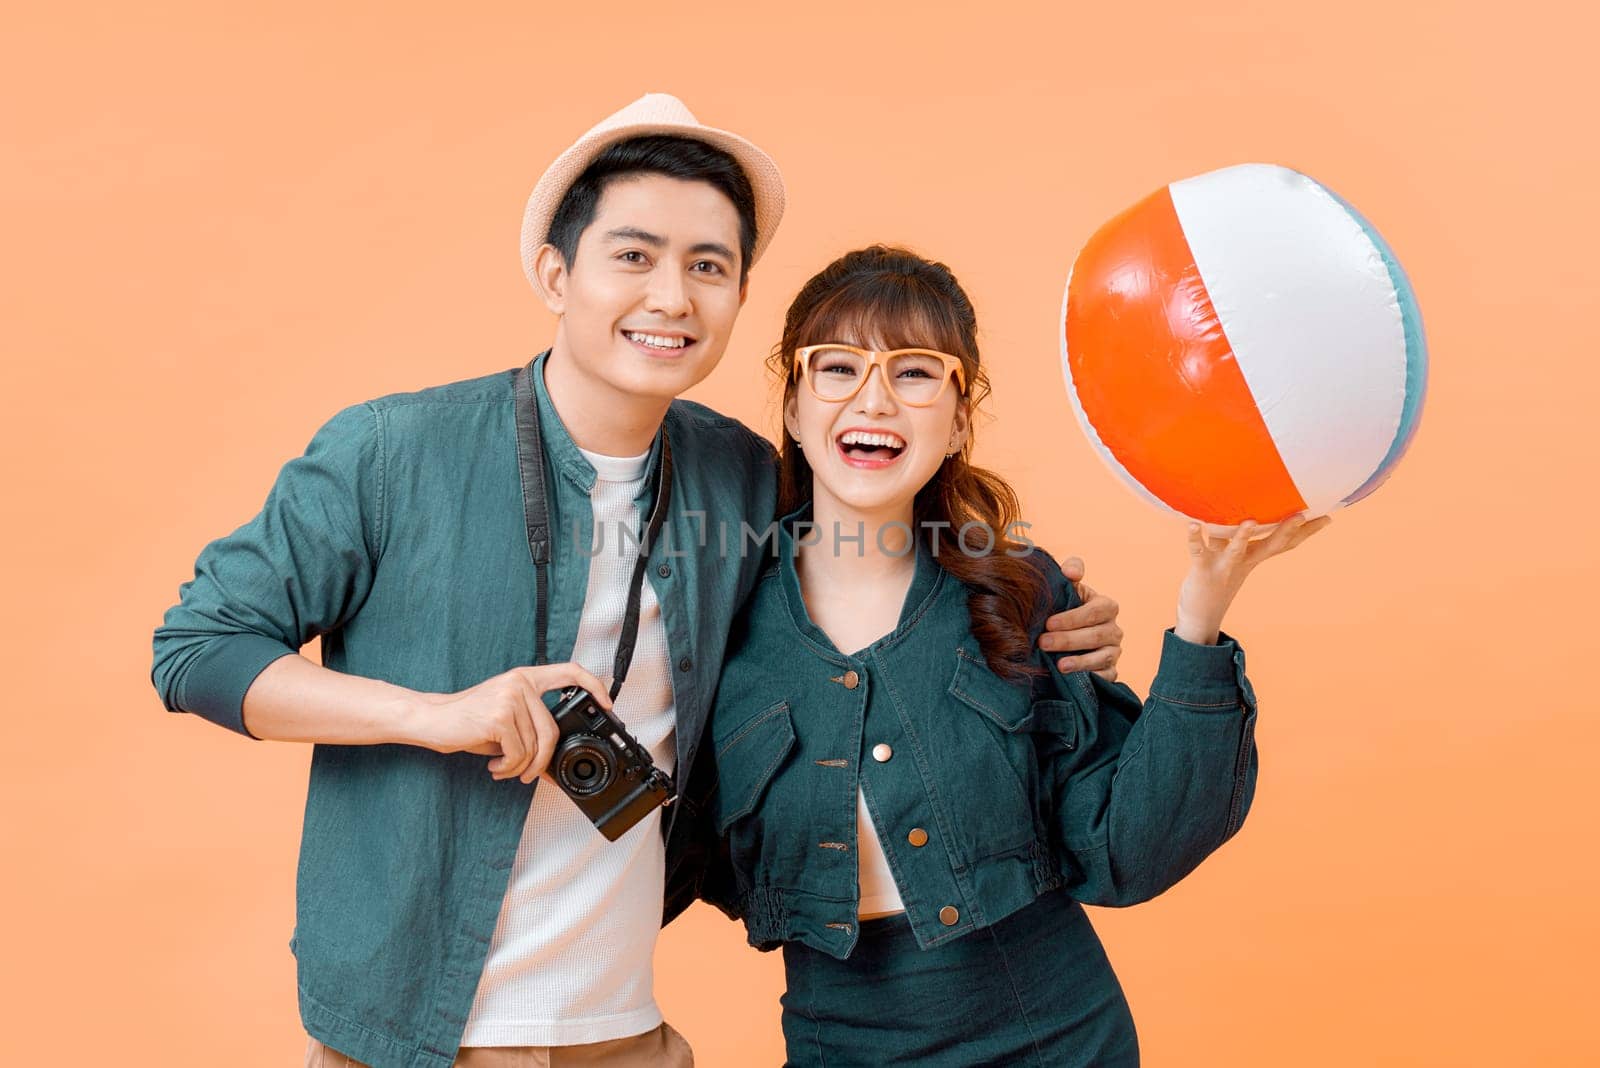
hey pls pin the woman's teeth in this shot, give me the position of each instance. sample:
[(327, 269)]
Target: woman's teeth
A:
[(870, 445), (656, 341), (862, 437)]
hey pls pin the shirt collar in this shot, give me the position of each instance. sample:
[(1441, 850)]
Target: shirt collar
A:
[(563, 452)]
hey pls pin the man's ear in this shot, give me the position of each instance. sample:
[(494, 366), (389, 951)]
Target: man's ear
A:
[(550, 272), (744, 290)]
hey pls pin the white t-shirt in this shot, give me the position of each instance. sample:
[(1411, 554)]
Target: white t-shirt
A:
[(570, 961), (879, 894)]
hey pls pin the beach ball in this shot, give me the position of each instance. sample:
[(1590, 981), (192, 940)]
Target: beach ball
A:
[(1244, 345)]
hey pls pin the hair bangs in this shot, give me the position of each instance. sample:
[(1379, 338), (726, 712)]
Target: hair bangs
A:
[(887, 311)]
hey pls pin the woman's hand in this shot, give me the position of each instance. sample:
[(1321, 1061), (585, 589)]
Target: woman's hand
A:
[(1218, 569)]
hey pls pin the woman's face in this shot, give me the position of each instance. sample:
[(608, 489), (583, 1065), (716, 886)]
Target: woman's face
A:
[(872, 453)]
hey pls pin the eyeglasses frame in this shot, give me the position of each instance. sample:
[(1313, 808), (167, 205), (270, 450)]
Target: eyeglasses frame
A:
[(880, 360)]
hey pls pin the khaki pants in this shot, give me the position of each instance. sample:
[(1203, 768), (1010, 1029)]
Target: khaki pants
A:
[(661, 1048)]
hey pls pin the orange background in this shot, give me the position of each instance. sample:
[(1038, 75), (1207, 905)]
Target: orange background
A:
[(221, 227)]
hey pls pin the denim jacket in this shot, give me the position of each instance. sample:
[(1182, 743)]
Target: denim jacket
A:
[(985, 793), (399, 538)]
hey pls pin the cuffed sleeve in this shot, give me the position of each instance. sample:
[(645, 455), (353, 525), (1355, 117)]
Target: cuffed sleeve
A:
[(1143, 791), (299, 569), (1202, 676), (214, 682)]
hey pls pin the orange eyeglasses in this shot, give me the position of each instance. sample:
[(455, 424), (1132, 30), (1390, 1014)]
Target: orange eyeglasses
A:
[(836, 372)]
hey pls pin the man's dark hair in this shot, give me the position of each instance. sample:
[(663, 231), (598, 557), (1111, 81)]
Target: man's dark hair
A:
[(675, 157)]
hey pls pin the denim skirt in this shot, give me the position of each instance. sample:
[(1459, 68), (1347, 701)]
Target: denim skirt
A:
[(1034, 989)]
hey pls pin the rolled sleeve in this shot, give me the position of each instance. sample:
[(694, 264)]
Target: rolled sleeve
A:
[(298, 570), (214, 685)]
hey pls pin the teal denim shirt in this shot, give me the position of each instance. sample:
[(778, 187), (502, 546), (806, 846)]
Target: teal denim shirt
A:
[(399, 539), (985, 793)]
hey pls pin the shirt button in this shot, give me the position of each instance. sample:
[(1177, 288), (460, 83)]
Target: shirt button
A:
[(881, 752), (850, 679), (685, 664), (918, 837), (948, 915), (665, 570)]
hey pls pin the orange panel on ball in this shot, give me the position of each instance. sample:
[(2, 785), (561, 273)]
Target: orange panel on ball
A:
[(1157, 378)]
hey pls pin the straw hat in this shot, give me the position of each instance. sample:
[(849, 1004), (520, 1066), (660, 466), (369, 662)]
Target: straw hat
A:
[(653, 113)]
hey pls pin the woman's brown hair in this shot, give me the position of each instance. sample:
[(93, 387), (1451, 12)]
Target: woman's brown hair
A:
[(892, 298)]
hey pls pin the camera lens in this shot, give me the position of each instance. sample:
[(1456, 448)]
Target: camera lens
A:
[(583, 767)]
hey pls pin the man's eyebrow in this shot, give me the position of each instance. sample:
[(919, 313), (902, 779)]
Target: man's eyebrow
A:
[(713, 248), (633, 233)]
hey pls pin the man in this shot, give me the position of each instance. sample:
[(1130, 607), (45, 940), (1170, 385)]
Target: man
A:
[(444, 914)]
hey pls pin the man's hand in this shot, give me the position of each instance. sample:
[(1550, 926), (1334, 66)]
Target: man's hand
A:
[(504, 717), (1090, 631)]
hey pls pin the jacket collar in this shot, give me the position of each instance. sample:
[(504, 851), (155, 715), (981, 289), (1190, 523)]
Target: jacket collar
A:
[(926, 582)]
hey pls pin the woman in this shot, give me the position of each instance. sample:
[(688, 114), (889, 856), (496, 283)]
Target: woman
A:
[(916, 802)]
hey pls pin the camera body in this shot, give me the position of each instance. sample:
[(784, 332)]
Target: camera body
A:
[(602, 767)]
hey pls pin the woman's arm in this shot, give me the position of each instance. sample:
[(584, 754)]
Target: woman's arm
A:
[(1142, 792)]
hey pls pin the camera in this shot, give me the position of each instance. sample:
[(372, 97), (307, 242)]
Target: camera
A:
[(602, 767)]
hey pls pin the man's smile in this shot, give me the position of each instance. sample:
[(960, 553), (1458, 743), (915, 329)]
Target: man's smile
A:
[(659, 343)]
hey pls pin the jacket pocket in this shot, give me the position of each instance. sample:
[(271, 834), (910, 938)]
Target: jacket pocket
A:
[(1059, 720), (747, 759), (1007, 705), (984, 762)]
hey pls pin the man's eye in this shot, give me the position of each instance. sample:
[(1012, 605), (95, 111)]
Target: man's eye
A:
[(633, 256), (707, 267)]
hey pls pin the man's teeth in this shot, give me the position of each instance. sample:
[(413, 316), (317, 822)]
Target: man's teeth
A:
[(656, 341), (861, 437)]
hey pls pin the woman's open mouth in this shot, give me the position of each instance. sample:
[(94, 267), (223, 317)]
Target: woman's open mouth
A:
[(667, 346), (870, 448)]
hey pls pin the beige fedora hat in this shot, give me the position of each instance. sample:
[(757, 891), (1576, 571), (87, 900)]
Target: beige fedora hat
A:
[(653, 113)]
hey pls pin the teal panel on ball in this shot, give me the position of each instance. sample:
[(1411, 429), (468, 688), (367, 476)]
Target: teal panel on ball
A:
[(1416, 355)]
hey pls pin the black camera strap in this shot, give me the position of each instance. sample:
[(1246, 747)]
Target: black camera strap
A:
[(536, 515)]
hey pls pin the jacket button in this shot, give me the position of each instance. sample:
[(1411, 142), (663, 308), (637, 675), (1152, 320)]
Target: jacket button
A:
[(881, 752), (948, 915), (685, 664), (850, 679), (918, 837), (665, 570)]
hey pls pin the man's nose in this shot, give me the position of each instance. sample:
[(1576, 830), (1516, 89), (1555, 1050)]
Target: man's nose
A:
[(667, 294)]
